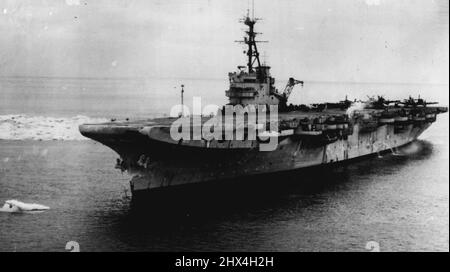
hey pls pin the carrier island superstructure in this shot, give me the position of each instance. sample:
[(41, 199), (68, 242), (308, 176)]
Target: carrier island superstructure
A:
[(307, 135)]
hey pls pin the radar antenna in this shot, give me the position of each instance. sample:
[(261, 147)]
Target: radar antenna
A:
[(249, 40)]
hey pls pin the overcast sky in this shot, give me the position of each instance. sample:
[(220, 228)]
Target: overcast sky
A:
[(323, 40)]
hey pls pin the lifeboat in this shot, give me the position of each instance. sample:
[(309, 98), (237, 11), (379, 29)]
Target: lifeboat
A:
[(308, 133), (287, 132), (430, 117), (386, 120), (331, 126), (336, 123), (321, 127), (307, 128), (401, 119), (419, 119)]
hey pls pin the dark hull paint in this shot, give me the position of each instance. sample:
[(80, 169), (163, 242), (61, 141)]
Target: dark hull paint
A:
[(172, 165)]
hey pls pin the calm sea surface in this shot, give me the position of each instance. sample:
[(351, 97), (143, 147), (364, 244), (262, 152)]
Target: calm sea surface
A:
[(400, 202)]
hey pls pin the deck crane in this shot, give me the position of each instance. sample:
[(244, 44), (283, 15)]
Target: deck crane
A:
[(290, 86)]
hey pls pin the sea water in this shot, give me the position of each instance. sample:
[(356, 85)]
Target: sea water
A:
[(396, 202)]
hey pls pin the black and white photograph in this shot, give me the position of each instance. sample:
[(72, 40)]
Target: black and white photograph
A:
[(243, 126)]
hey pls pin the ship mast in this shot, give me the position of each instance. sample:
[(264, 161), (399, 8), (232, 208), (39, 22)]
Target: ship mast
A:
[(252, 50)]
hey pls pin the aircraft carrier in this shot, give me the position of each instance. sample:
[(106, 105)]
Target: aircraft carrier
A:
[(304, 135)]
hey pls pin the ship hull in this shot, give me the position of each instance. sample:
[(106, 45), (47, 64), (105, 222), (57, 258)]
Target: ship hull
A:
[(173, 165)]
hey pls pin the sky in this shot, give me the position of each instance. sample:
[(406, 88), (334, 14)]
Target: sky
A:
[(317, 40)]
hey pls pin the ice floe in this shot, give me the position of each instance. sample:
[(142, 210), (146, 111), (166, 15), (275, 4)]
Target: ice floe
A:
[(25, 127), (14, 206)]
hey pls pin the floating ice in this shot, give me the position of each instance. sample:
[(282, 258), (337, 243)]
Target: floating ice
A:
[(24, 127), (17, 206)]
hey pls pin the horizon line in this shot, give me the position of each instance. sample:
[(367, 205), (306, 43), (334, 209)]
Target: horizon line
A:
[(215, 78)]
